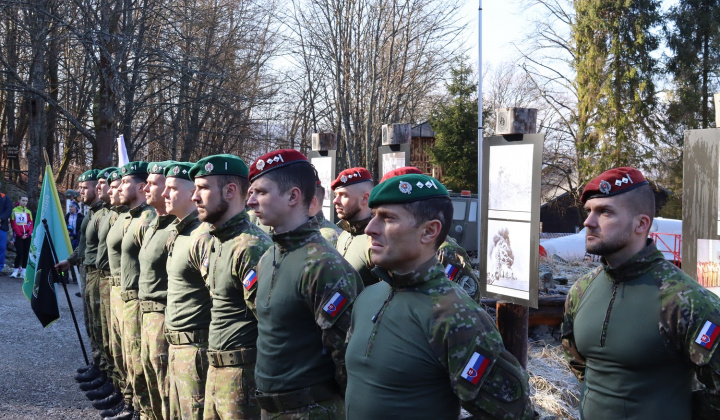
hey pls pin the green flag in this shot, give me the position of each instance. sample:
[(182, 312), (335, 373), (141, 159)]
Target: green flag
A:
[(36, 288)]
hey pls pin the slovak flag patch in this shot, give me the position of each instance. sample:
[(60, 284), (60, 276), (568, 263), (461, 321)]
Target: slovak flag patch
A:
[(708, 335), (451, 271), (336, 303), (250, 279), (475, 368)]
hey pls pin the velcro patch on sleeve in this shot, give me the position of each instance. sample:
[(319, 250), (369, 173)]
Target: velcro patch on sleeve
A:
[(250, 280), (475, 368), (708, 335), (335, 304)]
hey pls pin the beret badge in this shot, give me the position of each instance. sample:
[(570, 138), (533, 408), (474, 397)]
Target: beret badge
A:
[(260, 165), (209, 167), (405, 187), (605, 187), (176, 170)]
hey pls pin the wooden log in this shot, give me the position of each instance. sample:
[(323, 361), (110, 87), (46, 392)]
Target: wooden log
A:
[(396, 134), (321, 142), (516, 121), (512, 322)]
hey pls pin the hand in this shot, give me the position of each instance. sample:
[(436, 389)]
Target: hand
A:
[(25, 235), (63, 265)]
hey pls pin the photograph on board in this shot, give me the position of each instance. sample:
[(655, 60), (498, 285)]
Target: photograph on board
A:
[(508, 255), (510, 181), (392, 161), (323, 165), (708, 264)]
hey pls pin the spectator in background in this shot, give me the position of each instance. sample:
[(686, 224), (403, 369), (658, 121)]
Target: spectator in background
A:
[(73, 220), (5, 209), (22, 223)]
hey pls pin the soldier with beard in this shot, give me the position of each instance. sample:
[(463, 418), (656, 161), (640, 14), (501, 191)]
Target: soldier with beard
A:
[(352, 190), (637, 330), (187, 315)]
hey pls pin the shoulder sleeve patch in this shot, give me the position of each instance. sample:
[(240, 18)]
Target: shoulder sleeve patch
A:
[(451, 271), (334, 306), (250, 280), (708, 335), (475, 368)]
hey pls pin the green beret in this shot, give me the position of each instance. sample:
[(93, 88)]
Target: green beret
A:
[(406, 189), (105, 173), (137, 167), (219, 165), (114, 176), (179, 170), (91, 175), (158, 167)]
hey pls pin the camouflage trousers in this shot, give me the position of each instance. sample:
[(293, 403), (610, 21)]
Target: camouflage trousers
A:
[(154, 355), (135, 385), (93, 323), (187, 372), (104, 288), (230, 393), (332, 409), (116, 324)]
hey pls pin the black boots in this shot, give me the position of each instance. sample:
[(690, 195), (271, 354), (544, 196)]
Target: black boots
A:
[(113, 411), (95, 383), (88, 375), (127, 414), (111, 400), (102, 392)]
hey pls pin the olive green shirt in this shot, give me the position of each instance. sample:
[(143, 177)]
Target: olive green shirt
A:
[(91, 233), (236, 249), (188, 298), (114, 241), (108, 218), (153, 260), (354, 245), (78, 254), (134, 230), (301, 336)]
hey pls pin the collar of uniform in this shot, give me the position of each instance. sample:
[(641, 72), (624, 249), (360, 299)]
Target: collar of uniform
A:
[(107, 205), (426, 271), (135, 212), (356, 227), (120, 209), (164, 221), (97, 206), (186, 221), (637, 265), (320, 217), (298, 237), (232, 227)]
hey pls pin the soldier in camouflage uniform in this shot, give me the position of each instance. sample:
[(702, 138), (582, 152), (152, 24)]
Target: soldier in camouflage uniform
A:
[(187, 315), (637, 330), (305, 292), (451, 255), (90, 290), (328, 230), (135, 225), (221, 185), (420, 347), (152, 293), (114, 224), (352, 189)]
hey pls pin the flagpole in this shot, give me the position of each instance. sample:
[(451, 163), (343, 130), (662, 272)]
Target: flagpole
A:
[(58, 279)]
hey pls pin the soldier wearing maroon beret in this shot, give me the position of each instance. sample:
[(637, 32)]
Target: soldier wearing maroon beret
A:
[(352, 191), (305, 295), (637, 330)]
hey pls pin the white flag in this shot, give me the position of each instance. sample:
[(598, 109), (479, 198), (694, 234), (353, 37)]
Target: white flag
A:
[(122, 152)]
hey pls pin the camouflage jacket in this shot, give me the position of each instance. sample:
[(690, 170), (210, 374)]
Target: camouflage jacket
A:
[(152, 284), (236, 249), (79, 253), (458, 267), (134, 228), (255, 221), (354, 245), (304, 298), (188, 298), (114, 240), (328, 230), (420, 347), (637, 334)]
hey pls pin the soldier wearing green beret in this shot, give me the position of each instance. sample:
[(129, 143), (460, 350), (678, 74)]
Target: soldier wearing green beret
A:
[(136, 224), (187, 315), (114, 225), (221, 185), (329, 230), (86, 252), (419, 346), (305, 294), (152, 292), (352, 189)]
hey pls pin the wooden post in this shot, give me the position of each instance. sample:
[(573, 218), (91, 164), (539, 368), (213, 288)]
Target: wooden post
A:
[(512, 322), (322, 142)]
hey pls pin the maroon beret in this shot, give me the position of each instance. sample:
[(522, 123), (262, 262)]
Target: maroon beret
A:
[(274, 160), (613, 182), (401, 171), (351, 176)]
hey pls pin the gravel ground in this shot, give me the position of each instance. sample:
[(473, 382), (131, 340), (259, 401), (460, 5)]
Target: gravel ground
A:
[(37, 364)]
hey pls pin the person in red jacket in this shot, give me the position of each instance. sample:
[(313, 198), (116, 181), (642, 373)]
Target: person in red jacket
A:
[(22, 225)]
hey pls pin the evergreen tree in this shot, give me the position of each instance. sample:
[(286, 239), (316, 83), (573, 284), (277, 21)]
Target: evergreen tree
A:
[(455, 123)]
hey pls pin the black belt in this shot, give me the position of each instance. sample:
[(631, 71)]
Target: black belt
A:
[(115, 281), (186, 337), (129, 295), (151, 306), (237, 357), (277, 403)]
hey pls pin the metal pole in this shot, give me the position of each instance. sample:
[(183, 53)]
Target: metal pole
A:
[(481, 244), (59, 279)]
